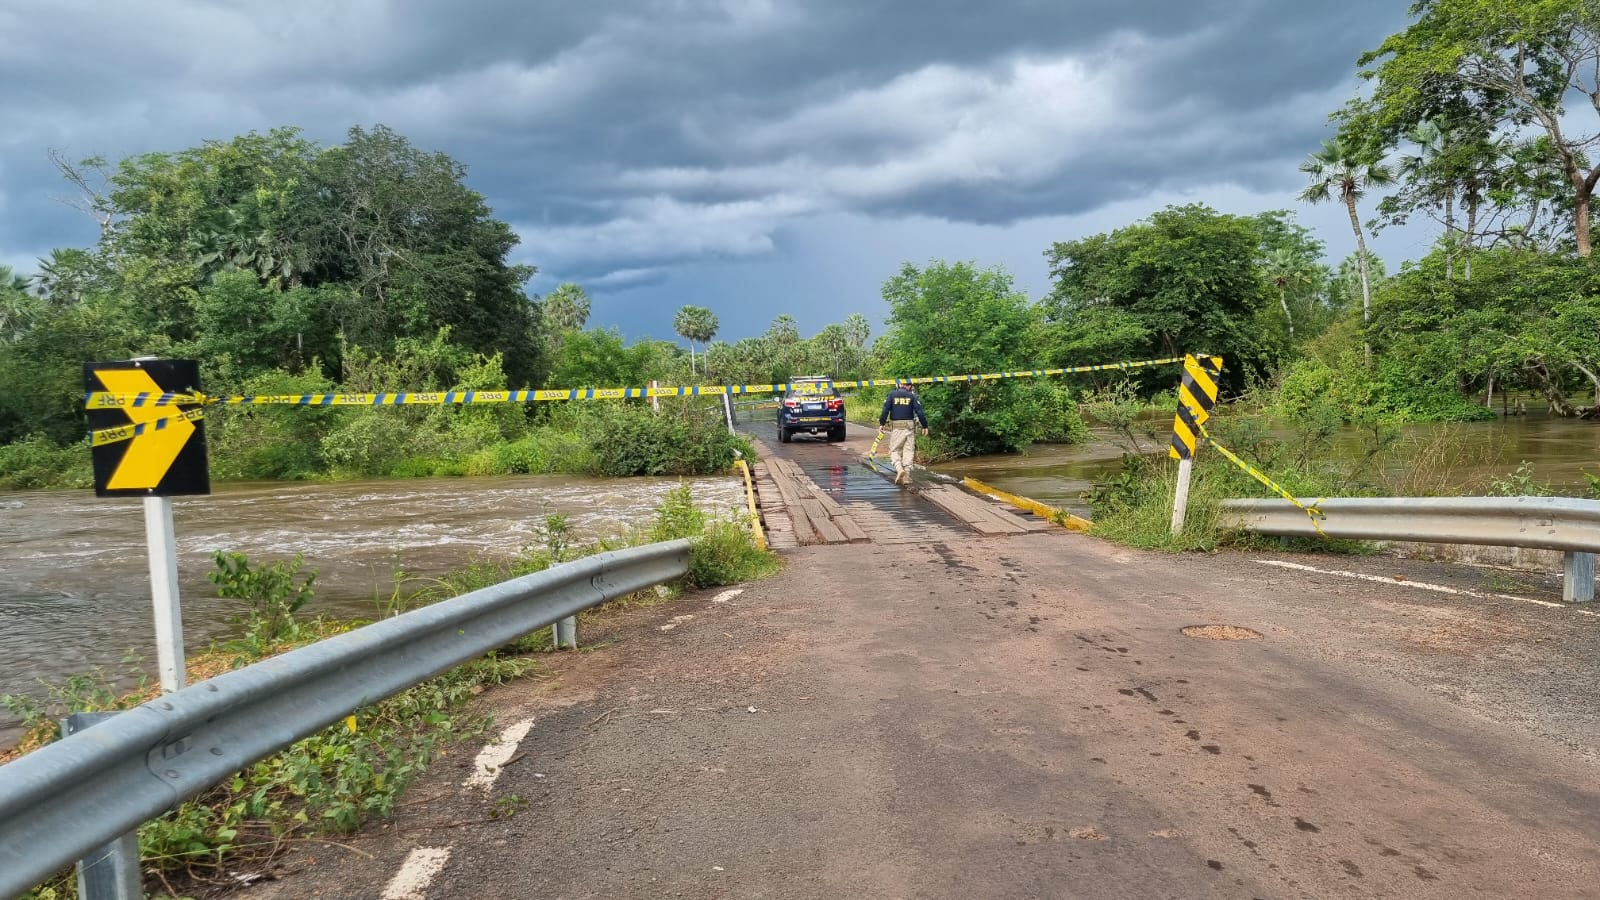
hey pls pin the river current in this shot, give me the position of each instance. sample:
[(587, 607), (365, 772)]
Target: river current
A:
[(74, 579)]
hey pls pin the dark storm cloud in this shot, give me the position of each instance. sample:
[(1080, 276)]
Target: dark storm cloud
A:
[(627, 139)]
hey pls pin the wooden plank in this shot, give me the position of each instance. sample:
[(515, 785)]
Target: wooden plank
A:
[(852, 531), (803, 532), (824, 526), (788, 490), (966, 508), (827, 501), (992, 512)]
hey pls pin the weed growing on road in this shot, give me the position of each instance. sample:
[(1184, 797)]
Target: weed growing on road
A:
[(507, 807)]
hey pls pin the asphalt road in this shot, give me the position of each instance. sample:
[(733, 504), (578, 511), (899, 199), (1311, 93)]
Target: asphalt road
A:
[(1022, 717)]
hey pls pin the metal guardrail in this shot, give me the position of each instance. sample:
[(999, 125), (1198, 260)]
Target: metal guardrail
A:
[(62, 800), (1548, 523)]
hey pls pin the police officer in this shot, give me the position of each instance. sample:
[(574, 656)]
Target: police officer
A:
[(902, 412)]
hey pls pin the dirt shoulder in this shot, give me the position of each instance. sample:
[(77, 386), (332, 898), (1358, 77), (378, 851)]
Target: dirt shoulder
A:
[(1022, 717)]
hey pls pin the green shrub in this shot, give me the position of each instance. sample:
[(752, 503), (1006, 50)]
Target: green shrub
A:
[(725, 553), (270, 442), (632, 439), (274, 593), (36, 463), (678, 516)]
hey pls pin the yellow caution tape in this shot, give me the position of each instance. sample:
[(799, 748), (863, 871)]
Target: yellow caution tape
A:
[(103, 400), (1312, 512), (130, 431)]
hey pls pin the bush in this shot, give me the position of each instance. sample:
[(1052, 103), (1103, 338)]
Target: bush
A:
[(36, 463), (725, 553), (631, 439), (260, 443)]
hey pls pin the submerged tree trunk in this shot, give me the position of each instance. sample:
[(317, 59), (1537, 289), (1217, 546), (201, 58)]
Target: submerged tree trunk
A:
[(1593, 379), (1488, 399), (1551, 388)]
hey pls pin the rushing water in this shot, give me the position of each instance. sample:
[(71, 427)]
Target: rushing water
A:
[(74, 579), (1432, 458)]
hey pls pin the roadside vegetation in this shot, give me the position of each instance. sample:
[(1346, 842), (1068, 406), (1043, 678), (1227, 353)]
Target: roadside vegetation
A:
[(355, 771)]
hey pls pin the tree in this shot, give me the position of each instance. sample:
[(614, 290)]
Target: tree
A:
[(1183, 281), (1512, 62), (957, 318), (832, 343), (411, 248), (1346, 170), (695, 324), (1286, 269), (567, 308), (858, 330), (1291, 259), (18, 308)]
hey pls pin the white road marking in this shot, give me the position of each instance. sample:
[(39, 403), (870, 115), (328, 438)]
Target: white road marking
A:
[(486, 768), (416, 873), (1423, 585), (725, 596)]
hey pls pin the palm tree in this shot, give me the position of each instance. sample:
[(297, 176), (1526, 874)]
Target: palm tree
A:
[(567, 307), (1428, 164), (1287, 269), (695, 323), (858, 329), (1349, 169), (18, 308)]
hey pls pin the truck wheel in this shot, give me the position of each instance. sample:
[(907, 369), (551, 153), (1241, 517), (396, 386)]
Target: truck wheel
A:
[(836, 434)]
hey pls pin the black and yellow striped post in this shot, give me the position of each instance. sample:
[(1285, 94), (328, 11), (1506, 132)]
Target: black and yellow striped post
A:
[(1196, 395)]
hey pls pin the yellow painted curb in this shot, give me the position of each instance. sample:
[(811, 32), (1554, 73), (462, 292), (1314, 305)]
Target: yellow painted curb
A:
[(1043, 511), (750, 502)]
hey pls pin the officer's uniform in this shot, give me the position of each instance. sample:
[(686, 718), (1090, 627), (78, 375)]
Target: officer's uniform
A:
[(902, 413)]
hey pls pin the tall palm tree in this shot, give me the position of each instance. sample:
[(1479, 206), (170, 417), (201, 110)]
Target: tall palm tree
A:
[(1347, 169), (1427, 166), (1287, 269), (695, 323), (567, 307)]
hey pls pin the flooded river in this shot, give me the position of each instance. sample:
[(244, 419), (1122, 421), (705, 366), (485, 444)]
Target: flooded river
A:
[(1462, 457), (74, 581)]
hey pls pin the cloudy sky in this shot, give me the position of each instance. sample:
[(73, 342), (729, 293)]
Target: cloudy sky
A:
[(752, 156)]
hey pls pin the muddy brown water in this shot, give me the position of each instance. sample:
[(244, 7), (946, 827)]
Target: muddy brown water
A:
[(1443, 458), (74, 581)]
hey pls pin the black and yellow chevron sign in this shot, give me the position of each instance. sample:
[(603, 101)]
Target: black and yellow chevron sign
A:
[(1196, 396), (151, 442)]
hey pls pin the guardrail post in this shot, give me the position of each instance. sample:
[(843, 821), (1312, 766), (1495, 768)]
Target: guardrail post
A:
[(566, 633), (1577, 577), (110, 871)]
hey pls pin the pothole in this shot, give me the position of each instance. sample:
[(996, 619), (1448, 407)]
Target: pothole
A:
[(1222, 632)]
